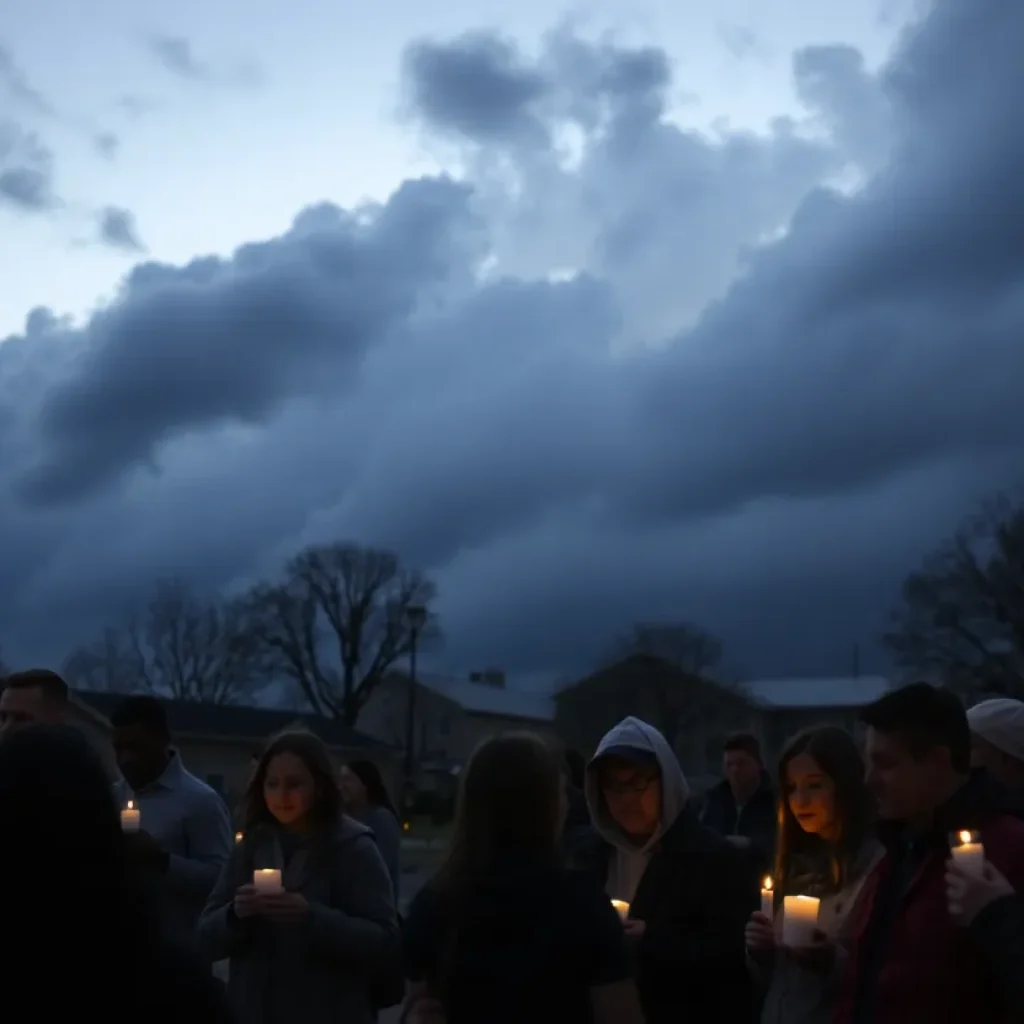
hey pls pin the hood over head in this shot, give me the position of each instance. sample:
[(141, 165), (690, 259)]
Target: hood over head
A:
[(636, 740), (1000, 722)]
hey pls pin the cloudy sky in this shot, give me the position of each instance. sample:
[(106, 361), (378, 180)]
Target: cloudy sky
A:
[(632, 316)]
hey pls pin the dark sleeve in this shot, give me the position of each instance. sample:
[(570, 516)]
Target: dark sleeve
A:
[(190, 991), (998, 931), (421, 936), (601, 934), (729, 894)]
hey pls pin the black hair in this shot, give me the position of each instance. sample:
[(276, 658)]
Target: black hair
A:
[(745, 741), (52, 685), (141, 709), (373, 782), (924, 717)]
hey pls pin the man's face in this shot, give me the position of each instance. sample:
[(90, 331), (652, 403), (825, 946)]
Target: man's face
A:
[(906, 788), (742, 770), (633, 796), (141, 754), (27, 705)]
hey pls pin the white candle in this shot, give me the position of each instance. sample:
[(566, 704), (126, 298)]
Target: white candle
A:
[(969, 853), (768, 897), (622, 907), (131, 818), (267, 880), (799, 920)]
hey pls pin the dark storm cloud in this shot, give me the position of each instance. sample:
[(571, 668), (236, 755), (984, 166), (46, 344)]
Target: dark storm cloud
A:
[(216, 341), (744, 398), (118, 230)]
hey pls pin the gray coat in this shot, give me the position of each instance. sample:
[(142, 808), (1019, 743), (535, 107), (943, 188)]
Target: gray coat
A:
[(796, 995), (318, 972)]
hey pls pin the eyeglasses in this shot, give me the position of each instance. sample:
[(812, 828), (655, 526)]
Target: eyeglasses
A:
[(621, 787)]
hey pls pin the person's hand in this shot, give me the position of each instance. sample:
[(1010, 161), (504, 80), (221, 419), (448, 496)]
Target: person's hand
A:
[(424, 1010), (968, 895), (246, 901), (760, 932), (818, 957), (740, 842), (145, 849), (634, 927), (284, 907)]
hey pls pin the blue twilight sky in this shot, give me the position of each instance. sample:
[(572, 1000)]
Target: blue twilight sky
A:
[(704, 312)]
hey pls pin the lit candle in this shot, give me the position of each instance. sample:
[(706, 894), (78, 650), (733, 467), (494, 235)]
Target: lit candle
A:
[(768, 897), (131, 818), (267, 880), (799, 920), (969, 853), (239, 837), (622, 907)]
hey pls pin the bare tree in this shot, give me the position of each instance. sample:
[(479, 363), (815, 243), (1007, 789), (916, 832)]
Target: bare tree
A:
[(681, 699), (961, 615), (181, 646), (337, 622)]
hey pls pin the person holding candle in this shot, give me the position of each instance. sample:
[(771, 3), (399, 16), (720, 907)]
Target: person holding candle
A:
[(318, 942), (918, 747), (505, 933), (690, 891), (824, 850), (84, 936), (184, 829)]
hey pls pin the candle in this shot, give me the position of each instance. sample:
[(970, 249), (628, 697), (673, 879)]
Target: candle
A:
[(799, 920), (969, 853), (768, 897), (131, 818), (239, 837), (267, 880), (622, 907)]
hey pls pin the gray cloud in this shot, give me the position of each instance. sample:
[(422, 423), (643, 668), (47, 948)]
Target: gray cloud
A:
[(26, 170), (655, 373), (15, 83), (107, 144), (117, 229), (176, 55)]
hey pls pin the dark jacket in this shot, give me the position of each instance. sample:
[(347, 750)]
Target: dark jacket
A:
[(909, 962), (756, 820), (695, 897), (998, 931)]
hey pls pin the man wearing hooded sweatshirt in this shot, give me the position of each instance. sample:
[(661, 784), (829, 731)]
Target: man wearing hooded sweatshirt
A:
[(689, 891)]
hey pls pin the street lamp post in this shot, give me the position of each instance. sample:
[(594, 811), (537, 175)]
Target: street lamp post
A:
[(415, 617)]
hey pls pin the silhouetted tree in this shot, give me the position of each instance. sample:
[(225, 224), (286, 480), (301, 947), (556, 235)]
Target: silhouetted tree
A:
[(680, 699), (961, 615), (337, 622), (181, 646)]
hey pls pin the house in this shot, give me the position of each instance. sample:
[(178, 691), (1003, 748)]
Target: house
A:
[(788, 705), (217, 741), (452, 716), (694, 713)]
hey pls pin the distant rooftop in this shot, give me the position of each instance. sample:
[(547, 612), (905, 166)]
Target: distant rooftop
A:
[(820, 692), (237, 722), (488, 696)]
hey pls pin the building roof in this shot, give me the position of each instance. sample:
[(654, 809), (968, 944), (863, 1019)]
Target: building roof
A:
[(822, 692), (237, 722), (487, 699)]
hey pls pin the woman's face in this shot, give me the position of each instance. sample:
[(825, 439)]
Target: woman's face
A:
[(288, 789), (811, 796), (353, 792)]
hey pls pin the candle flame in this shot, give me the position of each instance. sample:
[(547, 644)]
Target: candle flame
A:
[(239, 837), (966, 837), (768, 883), (131, 805)]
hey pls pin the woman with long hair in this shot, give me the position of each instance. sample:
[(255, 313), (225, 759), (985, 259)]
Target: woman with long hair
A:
[(824, 848), (505, 932), (366, 799), (304, 909), (84, 934)]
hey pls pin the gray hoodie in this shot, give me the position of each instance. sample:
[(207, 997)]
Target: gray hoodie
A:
[(629, 861)]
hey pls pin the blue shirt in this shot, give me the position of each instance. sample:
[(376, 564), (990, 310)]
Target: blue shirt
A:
[(190, 821)]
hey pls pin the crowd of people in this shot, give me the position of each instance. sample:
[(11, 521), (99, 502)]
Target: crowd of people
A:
[(870, 880)]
